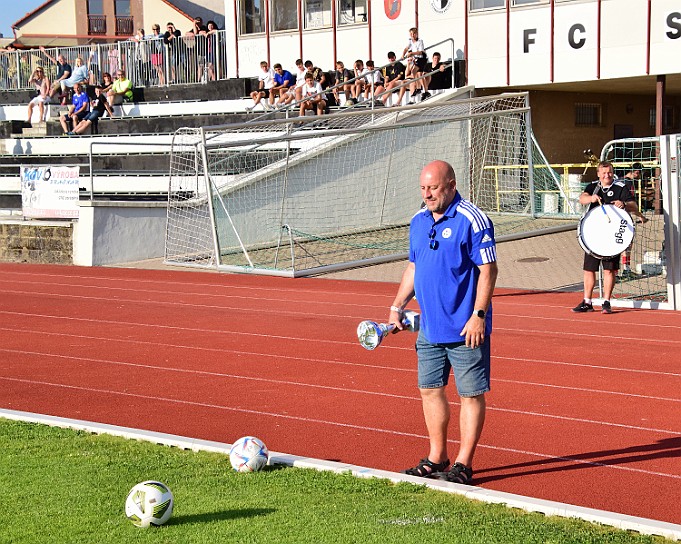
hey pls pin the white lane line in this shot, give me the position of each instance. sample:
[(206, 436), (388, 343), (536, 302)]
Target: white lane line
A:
[(156, 368), (590, 366), (524, 331), (307, 340), (224, 351), (317, 421), (287, 300)]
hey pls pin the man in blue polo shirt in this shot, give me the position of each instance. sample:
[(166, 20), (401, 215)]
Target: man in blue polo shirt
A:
[(283, 81), (452, 271), (77, 111)]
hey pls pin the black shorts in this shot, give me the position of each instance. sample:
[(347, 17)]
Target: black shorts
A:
[(265, 92), (591, 263), (420, 63)]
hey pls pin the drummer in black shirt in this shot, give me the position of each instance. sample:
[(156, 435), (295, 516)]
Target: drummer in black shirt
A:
[(606, 190)]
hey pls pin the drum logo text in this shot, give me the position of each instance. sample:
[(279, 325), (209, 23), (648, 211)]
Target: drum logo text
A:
[(623, 229)]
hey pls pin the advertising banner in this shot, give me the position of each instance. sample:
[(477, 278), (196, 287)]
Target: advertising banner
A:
[(50, 192)]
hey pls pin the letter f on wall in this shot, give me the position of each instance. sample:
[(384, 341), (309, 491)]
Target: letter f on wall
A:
[(528, 38)]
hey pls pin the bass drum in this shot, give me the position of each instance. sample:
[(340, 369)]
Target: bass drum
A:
[(605, 231)]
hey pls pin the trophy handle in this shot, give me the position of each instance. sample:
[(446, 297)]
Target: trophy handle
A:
[(370, 334)]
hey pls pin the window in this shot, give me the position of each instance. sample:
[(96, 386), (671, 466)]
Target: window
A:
[(486, 4), (122, 8), (124, 23), (317, 13), (251, 17), (95, 7), (284, 15), (96, 20), (670, 118), (351, 12), (588, 115), (523, 2)]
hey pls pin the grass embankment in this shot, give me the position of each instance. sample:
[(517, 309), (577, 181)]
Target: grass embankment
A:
[(59, 486)]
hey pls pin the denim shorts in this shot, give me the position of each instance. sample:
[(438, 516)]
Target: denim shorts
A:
[(471, 366)]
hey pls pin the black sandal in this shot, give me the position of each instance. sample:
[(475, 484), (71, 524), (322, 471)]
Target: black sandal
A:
[(460, 474), (426, 468)]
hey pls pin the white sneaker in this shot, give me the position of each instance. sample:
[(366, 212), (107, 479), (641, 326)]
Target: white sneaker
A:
[(249, 109)]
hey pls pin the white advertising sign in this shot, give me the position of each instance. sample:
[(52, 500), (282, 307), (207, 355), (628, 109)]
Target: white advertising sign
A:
[(50, 192)]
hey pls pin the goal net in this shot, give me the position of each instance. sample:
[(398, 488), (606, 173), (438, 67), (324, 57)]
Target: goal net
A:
[(305, 195)]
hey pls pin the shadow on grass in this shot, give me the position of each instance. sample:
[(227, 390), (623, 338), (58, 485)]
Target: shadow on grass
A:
[(220, 516)]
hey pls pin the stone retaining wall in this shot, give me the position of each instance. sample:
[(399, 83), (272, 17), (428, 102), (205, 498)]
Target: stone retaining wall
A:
[(32, 242)]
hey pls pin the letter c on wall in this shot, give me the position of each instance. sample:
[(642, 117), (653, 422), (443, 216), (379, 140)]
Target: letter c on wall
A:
[(576, 43)]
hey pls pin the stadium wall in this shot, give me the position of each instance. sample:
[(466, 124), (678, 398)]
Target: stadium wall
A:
[(118, 232)]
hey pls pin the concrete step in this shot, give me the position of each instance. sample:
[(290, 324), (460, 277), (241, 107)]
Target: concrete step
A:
[(55, 110), (38, 129)]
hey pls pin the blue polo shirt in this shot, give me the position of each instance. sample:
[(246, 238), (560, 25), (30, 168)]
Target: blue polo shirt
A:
[(79, 100), (446, 277), (284, 76)]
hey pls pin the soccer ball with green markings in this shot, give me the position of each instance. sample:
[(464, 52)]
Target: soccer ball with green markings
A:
[(149, 503)]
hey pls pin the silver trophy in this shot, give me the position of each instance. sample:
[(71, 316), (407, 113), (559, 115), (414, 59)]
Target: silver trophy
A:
[(370, 334)]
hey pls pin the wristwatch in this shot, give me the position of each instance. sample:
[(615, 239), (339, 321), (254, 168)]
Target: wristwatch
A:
[(479, 313)]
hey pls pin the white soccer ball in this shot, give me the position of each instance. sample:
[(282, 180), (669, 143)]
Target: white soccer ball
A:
[(248, 454), (149, 503)]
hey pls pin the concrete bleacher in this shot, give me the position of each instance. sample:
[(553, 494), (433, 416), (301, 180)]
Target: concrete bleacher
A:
[(123, 168), (130, 152)]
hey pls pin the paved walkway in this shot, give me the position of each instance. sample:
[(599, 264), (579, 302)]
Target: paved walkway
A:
[(551, 262)]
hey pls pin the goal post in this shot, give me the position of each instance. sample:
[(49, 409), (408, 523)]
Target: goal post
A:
[(302, 196)]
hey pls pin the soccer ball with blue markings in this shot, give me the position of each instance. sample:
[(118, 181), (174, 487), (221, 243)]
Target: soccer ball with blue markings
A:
[(248, 454), (149, 503)]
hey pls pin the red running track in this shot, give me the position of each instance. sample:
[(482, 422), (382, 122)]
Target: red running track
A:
[(584, 409)]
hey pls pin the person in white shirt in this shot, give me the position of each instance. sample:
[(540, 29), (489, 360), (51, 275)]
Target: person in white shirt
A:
[(265, 82), (374, 81), (294, 93), (312, 97), (415, 55), (360, 81)]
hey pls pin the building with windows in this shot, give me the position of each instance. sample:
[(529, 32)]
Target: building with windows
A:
[(81, 22), (597, 69)]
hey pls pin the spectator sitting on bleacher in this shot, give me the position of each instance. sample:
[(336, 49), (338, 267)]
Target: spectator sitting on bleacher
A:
[(394, 77), (415, 54), (265, 83), (99, 105), (120, 90), (342, 76), (360, 82), (374, 81), (283, 80), (317, 73), (294, 93), (107, 82), (311, 96), (442, 78), (77, 110), (63, 70), (42, 84), (80, 75)]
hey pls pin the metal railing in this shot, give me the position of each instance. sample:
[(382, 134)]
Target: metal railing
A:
[(96, 24), (149, 62)]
